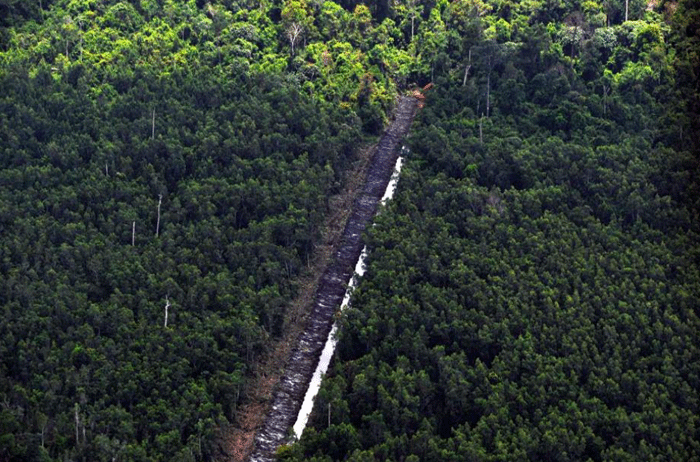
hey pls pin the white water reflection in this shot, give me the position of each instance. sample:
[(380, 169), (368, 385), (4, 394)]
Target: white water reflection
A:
[(391, 187), (329, 347)]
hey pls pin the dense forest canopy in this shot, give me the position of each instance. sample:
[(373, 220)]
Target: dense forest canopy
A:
[(533, 289), (164, 172), (532, 292)]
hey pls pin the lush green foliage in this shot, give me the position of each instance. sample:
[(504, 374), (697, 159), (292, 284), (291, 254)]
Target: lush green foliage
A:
[(243, 189), (153, 154), (532, 292), (534, 287)]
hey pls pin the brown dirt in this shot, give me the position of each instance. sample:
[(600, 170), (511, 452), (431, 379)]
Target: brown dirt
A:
[(237, 441)]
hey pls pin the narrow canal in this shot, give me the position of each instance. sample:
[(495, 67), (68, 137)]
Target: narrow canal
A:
[(329, 348), (290, 392)]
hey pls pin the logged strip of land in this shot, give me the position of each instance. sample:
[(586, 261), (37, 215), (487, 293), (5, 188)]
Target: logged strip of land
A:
[(236, 443), (289, 392)]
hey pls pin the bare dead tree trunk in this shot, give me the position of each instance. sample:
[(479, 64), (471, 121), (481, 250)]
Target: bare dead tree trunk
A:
[(627, 9), (160, 200), (481, 131), (413, 20), (77, 423), (605, 98), (133, 233), (466, 70), (293, 32), (44, 421), (488, 94), (167, 305), (80, 28)]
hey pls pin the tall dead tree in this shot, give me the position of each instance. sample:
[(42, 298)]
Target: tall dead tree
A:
[(77, 423), (488, 93), (489, 56), (466, 70), (160, 200), (481, 129), (43, 421), (294, 31), (167, 305)]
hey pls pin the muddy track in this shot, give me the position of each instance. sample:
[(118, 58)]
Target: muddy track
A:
[(289, 392)]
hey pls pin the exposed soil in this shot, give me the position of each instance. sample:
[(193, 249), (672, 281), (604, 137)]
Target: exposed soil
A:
[(276, 392)]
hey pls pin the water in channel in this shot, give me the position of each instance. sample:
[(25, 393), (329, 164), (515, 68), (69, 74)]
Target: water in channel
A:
[(303, 360), (329, 347)]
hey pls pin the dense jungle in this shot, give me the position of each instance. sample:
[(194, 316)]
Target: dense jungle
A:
[(532, 291)]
